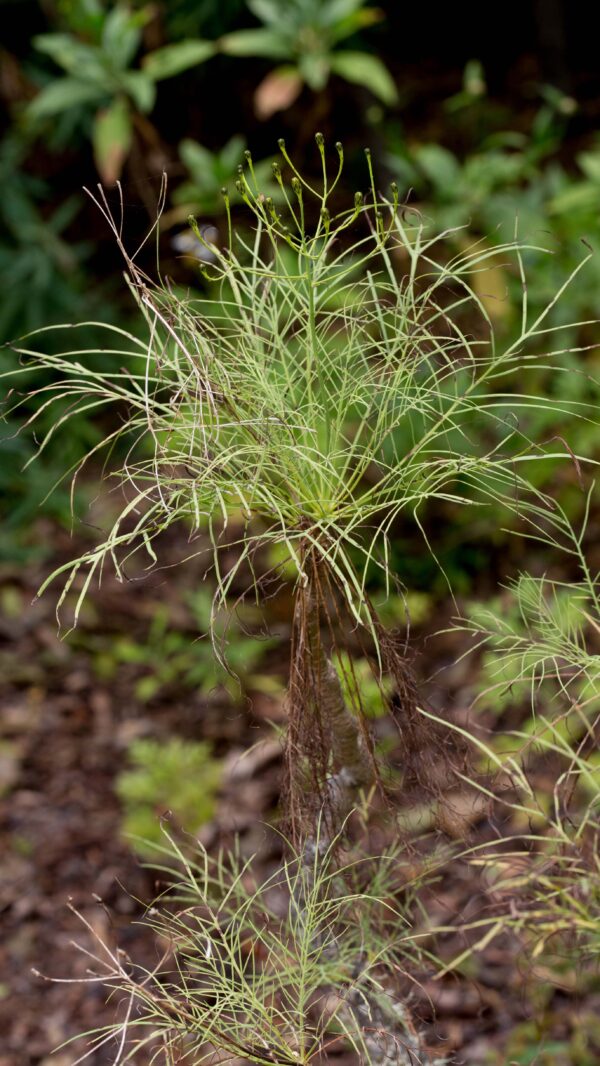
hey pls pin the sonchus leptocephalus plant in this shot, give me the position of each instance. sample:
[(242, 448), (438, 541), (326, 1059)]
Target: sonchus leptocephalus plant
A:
[(340, 373)]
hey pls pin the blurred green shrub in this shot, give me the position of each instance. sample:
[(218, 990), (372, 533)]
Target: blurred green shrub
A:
[(168, 658), (43, 271), (508, 182), (97, 57), (175, 776), (209, 172)]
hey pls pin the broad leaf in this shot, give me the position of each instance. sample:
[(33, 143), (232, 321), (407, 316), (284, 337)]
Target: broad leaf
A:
[(111, 138), (339, 29), (582, 196), (268, 11), (198, 159), (315, 69), (590, 164), (141, 88), (258, 42), (367, 70), (440, 167), (62, 95), (85, 18), (343, 9), (121, 36), (72, 55), (174, 58), (231, 154)]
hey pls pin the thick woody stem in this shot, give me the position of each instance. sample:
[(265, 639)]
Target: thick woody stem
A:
[(390, 1039), (350, 761)]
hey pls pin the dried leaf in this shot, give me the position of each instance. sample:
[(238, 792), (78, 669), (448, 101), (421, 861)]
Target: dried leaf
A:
[(277, 91), (112, 140)]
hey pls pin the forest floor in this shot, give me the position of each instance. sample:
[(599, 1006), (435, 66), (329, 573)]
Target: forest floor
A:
[(66, 722)]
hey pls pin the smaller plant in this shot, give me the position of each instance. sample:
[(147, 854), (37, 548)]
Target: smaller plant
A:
[(168, 658), (178, 776), (543, 636), (546, 638), (277, 970)]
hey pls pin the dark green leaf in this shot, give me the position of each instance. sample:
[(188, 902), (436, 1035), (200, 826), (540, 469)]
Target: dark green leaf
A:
[(258, 42), (141, 88), (72, 55), (175, 58), (121, 37), (314, 69), (63, 94), (367, 70)]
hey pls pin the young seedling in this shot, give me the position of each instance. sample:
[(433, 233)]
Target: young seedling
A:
[(277, 970), (541, 644)]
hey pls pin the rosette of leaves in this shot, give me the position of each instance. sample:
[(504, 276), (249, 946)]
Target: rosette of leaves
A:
[(163, 777), (101, 78), (304, 38)]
